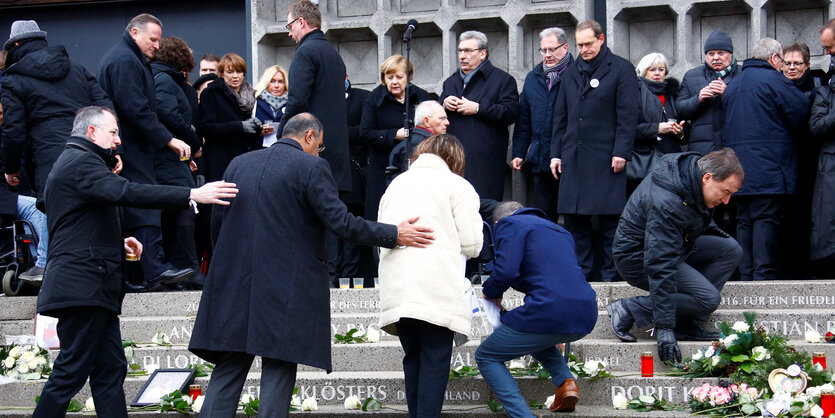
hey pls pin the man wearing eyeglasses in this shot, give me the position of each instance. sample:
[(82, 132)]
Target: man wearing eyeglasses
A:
[(481, 101), (595, 120), (762, 111), (532, 133)]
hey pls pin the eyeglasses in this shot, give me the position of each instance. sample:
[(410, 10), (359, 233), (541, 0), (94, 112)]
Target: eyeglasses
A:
[(793, 64), (291, 23), (468, 51), (551, 51), (781, 58), (321, 148)]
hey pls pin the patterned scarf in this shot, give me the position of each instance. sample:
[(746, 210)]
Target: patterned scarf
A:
[(275, 102), (553, 74), (727, 70), (245, 96)]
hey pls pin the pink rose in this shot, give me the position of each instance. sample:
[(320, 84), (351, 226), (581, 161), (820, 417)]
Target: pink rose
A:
[(722, 397)]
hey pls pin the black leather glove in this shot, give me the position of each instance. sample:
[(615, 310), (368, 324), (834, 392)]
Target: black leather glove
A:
[(251, 125), (667, 346)]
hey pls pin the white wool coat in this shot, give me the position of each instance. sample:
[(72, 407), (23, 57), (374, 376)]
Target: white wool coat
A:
[(428, 283)]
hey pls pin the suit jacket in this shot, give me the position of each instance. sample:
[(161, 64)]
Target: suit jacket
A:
[(317, 75), (269, 293), (592, 124), (85, 235), (484, 135)]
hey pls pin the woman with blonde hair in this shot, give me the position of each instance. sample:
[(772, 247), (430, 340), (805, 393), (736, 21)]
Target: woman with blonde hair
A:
[(424, 296), (271, 94)]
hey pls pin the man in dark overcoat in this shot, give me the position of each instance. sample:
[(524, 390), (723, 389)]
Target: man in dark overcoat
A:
[(269, 294), (595, 122), (763, 112), (83, 285), (317, 75), (125, 75), (481, 102)]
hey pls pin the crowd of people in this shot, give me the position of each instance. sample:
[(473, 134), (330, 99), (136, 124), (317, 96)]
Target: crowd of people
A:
[(637, 167)]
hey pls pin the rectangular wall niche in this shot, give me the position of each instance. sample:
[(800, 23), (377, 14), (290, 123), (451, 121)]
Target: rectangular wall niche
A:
[(737, 26), (348, 8), (652, 36), (800, 26), (425, 57), (360, 59), (410, 6)]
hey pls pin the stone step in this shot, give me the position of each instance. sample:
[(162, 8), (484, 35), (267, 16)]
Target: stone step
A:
[(388, 388), (388, 355), (791, 323), (793, 294), (398, 411)]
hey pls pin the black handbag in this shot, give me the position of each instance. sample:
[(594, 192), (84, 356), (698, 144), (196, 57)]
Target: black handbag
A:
[(641, 164)]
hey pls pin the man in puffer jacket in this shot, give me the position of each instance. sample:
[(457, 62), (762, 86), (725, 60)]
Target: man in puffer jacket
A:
[(666, 243)]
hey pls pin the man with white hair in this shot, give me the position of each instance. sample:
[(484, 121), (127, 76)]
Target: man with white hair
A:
[(762, 109), (430, 119), (481, 102)]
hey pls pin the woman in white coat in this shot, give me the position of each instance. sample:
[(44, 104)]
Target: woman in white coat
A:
[(423, 294)]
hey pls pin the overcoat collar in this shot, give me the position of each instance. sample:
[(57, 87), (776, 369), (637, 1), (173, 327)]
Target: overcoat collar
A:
[(86, 144), (134, 47), (483, 72), (599, 74), (381, 94), (291, 142), (314, 34)]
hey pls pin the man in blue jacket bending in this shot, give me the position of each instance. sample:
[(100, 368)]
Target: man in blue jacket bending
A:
[(535, 256)]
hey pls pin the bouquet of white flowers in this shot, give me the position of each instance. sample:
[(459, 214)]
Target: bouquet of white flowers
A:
[(24, 362)]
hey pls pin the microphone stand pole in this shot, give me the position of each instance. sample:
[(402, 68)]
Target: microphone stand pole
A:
[(407, 123)]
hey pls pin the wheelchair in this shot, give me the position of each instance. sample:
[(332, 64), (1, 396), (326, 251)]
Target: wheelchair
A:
[(17, 239)]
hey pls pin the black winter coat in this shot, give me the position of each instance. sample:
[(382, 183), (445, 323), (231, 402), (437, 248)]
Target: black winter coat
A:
[(174, 111), (85, 236), (763, 109), (41, 93), (278, 303), (822, 125), (706, 118), (125, 76), (220, 125), (484, 135), (400, 155), (592, 125), (658, 227), (317, 75), (535, 124), (354, 102), (382, 116), (651, 114)]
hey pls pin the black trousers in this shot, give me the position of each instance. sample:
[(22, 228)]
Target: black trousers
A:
[(153, 259), (580, 227), (228, 378), (428, 351), (758, 218), (546, 191), (699, 281), (91, 345)]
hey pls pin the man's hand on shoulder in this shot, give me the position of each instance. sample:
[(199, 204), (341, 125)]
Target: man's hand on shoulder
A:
[(414, 235), (213, 193)]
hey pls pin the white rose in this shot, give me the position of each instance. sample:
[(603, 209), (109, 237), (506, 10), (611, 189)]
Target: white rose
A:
[(729, 340), (33, 365), (816, 411), (41, 360), (710, 352), (22, 368), (13, 374), (813, 391), (296, 401), (198, 403), (812, 336), (697, 355), (187, 399), (619, 401), (759, 353), (8, 362), (160, 339), (352, 402), (310, 404), (89, 405), (549, 401), (818, 367), (247, 398), (372, 335), (27, 356), (740, 326), (516, 364), (715, 360), (359, 334), (591, 367), (15, 351)]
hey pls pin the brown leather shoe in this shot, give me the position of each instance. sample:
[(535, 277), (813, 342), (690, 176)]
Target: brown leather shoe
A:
[(565, 397)]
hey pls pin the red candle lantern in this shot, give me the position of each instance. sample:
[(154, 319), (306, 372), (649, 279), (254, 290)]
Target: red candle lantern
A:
[(820, 358), (828, 403), (194, 391), (646, 364)]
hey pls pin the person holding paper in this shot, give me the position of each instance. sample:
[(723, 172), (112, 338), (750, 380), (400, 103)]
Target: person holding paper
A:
[(271, 97), (535, 256)]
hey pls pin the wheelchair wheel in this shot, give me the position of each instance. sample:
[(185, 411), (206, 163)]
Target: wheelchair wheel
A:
[(12, 286)]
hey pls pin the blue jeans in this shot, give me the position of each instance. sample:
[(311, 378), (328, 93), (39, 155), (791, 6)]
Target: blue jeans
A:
[(506, 344), (26, 210)]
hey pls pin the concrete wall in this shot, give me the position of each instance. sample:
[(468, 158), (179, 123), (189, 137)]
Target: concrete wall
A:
[(367, 31)]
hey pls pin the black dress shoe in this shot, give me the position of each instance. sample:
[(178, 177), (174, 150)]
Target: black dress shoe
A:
[(621, 321), (135, 288), (169, 277), (695, 331)]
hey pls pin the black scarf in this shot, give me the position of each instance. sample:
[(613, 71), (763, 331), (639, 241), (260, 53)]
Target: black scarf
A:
[(588, 68), (552, 75), (16, 53), (657, 88)]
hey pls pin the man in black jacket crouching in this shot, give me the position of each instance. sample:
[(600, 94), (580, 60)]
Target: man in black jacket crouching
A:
[(667, 243)]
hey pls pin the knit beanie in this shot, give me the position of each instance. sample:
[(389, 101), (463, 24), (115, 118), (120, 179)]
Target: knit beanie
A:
[(719, 40)]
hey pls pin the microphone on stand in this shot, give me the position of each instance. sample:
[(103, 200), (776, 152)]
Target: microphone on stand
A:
[(411, 27)]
